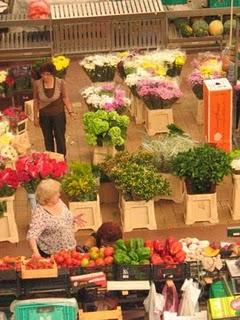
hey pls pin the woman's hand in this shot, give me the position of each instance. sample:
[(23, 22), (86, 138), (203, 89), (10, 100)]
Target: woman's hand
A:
[(79, 220)]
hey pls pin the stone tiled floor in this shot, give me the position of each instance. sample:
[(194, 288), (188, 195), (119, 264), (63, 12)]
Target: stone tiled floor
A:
[(169, 215)]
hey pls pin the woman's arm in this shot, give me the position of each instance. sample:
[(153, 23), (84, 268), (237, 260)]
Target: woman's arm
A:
[(34, 247), (36, 228), (66, 99), (35, 105)]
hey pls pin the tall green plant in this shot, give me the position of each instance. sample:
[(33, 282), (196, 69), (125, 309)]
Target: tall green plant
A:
[(202, 167), (79, 183)]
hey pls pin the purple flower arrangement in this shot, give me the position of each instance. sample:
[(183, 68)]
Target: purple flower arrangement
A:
[(158, 93)]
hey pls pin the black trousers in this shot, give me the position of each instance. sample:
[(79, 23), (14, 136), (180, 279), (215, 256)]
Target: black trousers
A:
[(54, 127)]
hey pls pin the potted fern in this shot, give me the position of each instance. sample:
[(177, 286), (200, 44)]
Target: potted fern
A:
[(202, 167), (165, 148), (81, 187), (138, 182)]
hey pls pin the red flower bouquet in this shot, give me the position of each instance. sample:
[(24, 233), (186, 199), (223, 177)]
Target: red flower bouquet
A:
[(8, 182), (31, 169), (14, 116)]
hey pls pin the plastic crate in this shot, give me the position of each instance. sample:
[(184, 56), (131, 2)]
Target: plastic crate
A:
[(171, 271), (110, 271), (40, 309), (142, 272), (173, 2), (219, 3)]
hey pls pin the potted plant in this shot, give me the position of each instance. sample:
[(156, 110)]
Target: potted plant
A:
[(108, 97), (139, 182), (8, 185), (17, 119), (81, 186), (165, 148), (100, 67), (31, 169), (106, 130), (158, 96), (235, 166), (202, 167)]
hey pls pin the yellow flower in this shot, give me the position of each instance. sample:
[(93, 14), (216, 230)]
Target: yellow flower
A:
[(180, 60), (60, 62), (5, 139), (123, 54)]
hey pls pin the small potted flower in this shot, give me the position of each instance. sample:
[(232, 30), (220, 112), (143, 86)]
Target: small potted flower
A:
[(106, 130), (139, 182), (31, 169), (108, 97), (17, 119), (158, 95), (164, 149), (100, 67), (202, 167), (8, 185), (81, 186), (3, 77), (235, 166)]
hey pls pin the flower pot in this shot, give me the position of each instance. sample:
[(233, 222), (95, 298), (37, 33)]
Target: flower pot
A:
[(8, 225), (156, 121), (32, 200), (100, 153), (91, 213), (137, 214), (108, 192), (176, 187), (235, 204), (201, 208)]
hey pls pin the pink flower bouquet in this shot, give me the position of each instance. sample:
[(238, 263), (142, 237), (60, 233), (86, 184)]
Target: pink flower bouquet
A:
[(31, 169), (8, 182), (158, 93)]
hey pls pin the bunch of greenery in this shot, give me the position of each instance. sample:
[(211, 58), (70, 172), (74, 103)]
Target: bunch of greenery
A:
[(105, 128), (202, 167), (136, 176), (80, 183), (166, 147)]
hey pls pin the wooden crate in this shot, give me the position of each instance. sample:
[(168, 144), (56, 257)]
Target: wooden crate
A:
[(201, 207), (8, 227), (156, 121), (55, 155), (137, 214), (37, 273), (101, 315), (139, 110), (28, 109), (91, 213)]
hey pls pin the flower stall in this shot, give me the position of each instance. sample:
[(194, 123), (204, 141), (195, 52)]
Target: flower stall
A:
[(8, 185), (106, 130), (100, 68), (108, 97)]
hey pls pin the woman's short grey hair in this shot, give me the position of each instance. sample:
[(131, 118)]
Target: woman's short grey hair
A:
[(46, 190)]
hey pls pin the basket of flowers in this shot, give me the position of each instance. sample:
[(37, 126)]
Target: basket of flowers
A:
[(17, 119)]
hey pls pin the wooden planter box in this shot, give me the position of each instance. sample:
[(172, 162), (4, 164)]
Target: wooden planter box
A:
[(100, 153), (139, 110), (91, 213), (132, 108), (156, 121), (201, 207), (200, 112), (108, 192), (55, 155), (176, 187), (235, 203), (137, 214), (8, 225)]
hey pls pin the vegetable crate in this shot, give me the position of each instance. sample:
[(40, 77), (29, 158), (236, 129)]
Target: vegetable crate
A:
[(171, 271), (108, 270), (133, 272), (40, 309), (37, 273)]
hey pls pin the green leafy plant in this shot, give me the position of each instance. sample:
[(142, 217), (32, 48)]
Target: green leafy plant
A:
[(3, 208), (136, 176), (166, 147), (202, 167), (80, 183), (105, 128)]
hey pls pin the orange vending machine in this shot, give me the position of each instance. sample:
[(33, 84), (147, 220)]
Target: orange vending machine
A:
[(217, 96)]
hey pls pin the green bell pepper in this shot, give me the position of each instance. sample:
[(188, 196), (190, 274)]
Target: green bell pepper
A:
[(143, 253), (133, 255), (120, 244)]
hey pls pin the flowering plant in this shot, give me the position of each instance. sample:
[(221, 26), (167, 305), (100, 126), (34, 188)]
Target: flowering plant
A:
[(235, 161), (60, 62), (31, 169), (8, 182), (107, 97), (100, 67), (105, 128), (158, 93), (14, 116), (6, 82)]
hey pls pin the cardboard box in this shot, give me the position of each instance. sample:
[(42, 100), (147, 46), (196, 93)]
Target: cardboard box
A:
[(217, 95)]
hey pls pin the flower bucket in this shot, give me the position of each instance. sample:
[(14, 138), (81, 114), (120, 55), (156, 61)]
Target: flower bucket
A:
[(32, 200), (8, 225)]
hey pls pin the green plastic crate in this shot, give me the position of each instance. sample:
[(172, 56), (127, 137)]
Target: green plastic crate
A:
[(219, 3), (218, 290), (46, 309), (173, 2)]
